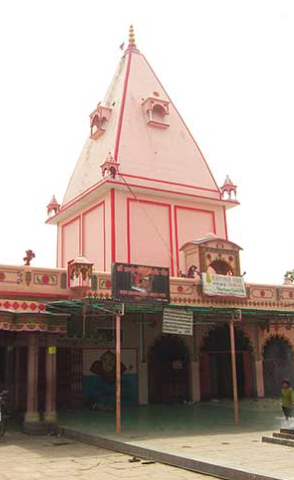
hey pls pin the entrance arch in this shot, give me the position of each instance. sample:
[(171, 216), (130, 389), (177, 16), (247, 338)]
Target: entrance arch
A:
[(169, 368), (278, 363), (216, 366)]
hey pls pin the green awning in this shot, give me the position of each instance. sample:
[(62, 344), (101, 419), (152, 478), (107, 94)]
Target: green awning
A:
[(98, 307)]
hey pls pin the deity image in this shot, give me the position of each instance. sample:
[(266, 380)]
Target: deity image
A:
[(106, 367), (141, 281)]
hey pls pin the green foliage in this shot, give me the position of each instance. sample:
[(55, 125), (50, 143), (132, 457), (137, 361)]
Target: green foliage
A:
[(290, 274)]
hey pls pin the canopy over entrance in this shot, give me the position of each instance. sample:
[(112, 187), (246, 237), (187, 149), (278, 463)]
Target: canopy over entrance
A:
[(101, 308)]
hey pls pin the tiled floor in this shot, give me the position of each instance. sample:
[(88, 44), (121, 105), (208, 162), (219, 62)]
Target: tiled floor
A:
[(43, 458), (203, 432)]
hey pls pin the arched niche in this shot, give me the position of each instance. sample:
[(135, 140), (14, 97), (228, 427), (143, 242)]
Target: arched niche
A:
[(168, 370), (278, 363)]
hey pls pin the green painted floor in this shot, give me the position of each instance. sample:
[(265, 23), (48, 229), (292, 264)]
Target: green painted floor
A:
[(156, 421)]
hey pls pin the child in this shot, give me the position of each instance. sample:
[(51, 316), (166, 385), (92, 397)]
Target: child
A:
[(287, 399)]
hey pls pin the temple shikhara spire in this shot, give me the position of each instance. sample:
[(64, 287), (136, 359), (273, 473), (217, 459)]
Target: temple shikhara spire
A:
[(141, 234)]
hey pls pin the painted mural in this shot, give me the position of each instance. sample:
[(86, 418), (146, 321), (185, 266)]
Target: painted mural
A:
[(99, 370)]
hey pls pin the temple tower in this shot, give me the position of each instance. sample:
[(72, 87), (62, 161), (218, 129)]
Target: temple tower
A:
[(141, 188)]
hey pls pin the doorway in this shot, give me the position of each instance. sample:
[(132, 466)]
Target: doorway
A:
[(278, 364), (216, 367), (169, 371)]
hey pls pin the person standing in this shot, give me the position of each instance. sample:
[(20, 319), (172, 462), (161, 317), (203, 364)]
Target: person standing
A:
[(287, 399)]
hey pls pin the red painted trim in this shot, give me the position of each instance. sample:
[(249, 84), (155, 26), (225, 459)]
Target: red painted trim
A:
[(160, 204), (122, 108), (78, 217), (226, 226), (215, 200), (172, 272), (112, 206), (33, 295), (57, 245), (169, 183), (128, 231), (177, 242), (197, 146), (180, 207), (104, 235), (106, 180), (94, 207)]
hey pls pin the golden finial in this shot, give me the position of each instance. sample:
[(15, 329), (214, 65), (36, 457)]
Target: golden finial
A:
[(131, 35)]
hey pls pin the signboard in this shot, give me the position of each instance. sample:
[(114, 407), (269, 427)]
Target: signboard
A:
[(177, 321), (223, 285), (140, 283)]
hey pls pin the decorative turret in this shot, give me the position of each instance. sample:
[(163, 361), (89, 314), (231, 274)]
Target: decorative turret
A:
[(98, 120), (79, 273), (53, 207), (110, 166), (228, 188)]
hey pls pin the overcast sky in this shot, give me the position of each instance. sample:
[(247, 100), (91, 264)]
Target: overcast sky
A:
[(226, 64)]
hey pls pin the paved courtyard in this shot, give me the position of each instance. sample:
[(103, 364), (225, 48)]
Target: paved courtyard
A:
[(41, 458), (202, 432)]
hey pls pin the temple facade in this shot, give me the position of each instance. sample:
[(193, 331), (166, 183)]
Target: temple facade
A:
[(141, 193)]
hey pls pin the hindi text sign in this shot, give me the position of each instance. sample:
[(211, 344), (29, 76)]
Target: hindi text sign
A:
[(223, 285), (177, 321)]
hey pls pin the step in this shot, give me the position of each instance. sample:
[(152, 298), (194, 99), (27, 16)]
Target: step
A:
[(286, 436), (278, 441), (290, 431)]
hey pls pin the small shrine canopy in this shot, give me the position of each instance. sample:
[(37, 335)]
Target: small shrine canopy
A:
[(210, 238), (94, 307)]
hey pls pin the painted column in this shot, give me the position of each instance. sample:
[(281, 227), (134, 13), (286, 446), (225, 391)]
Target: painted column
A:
[(50, 407), (16, 386), (195, 370), (234, 372), (32, 414), (258, 366), (259, 377), (118, 374), (195, 373), (142, 367), (9, 369)]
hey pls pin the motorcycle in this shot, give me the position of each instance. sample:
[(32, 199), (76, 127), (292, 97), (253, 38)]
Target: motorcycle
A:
[(3, 397)]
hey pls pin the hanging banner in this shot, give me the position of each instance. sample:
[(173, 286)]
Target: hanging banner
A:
[(223, 285), (140, 283), (177, 321)]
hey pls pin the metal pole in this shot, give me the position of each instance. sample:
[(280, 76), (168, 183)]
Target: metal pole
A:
[(118, 375), (234, 373)]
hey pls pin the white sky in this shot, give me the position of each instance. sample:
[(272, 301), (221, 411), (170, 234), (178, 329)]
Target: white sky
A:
[(228, 67)]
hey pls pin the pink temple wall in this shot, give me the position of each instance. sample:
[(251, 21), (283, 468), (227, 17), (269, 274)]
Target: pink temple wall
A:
[(146, 230), (88, 231), (93, 235), (149, 233), (117, 227), (70, 240)]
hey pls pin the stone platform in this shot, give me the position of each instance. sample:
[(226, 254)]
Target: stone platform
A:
[(200, 438)]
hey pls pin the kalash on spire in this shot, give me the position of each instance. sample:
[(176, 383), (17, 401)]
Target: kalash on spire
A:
[(138, 148)]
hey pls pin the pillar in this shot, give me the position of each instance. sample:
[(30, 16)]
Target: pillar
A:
[(143, 393), (259, 365), (9, 369), (195, 367), (32, 415), (195, 380), (143, 383), (259, 377), (16, 386), (50, 415)]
